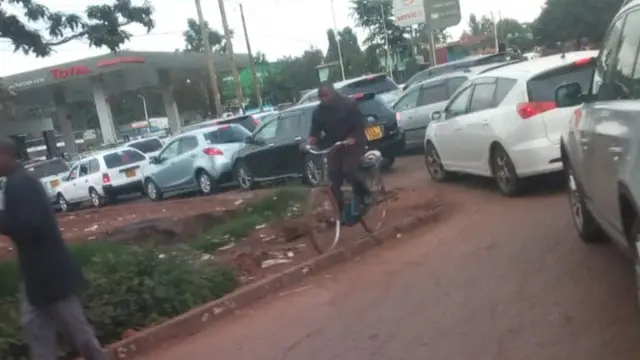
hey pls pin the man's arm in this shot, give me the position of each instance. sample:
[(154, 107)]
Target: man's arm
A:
[(24, 208), (316, 130), (356, 123)]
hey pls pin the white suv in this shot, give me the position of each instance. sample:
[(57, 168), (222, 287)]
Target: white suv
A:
[(103, 176), (504, 123)]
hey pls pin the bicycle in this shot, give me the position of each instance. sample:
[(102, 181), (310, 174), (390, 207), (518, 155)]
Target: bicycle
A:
[(326, 220)]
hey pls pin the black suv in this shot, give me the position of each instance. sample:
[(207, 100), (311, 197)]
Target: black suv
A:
[(272, 152)]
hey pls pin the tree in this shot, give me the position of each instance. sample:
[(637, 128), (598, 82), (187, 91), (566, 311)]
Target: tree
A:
[(352, 56), (474, 26), (571, 20), (290, 76), (101, 25), (369, 16), (194, 41)]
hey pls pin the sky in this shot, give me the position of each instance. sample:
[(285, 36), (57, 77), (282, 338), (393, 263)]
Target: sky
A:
[(276, 27)]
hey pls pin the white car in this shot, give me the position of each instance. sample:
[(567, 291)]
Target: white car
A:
[(149, 146), (103, 176), (504, 123)]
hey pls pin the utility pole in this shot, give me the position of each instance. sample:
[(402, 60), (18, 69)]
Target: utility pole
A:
[(386, 39), (337, 36), (234, 67), (213, 78), (254, 72)]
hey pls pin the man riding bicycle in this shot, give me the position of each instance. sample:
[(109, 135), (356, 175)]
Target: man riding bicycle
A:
[(338, 119)]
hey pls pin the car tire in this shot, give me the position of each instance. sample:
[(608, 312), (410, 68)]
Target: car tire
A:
[(207, 185), (588, 228), (65, 206), (243, 176), (387, 162), (434, 165), (96, 199), (152, 191), (504, 172), (313, 170)]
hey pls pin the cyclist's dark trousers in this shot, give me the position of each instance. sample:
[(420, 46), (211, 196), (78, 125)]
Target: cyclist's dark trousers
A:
[(344, 165)]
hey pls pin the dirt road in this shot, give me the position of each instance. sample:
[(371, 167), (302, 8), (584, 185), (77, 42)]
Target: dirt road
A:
[(499, 279)]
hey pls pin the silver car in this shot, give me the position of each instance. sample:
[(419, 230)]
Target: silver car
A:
[(601, 147), (197, 160)]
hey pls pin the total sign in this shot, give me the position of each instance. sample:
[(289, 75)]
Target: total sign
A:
[(408, 12)]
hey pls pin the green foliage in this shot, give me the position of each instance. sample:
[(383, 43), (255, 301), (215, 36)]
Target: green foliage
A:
[(571, 20), (129, 288), (194, 41), (352, 55), (101, 25), (285, 203), (291, 75)]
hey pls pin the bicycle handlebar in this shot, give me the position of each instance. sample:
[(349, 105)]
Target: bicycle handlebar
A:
[(312, 150)]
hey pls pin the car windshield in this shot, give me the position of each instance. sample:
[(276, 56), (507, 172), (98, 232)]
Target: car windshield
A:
[(147, 146), (48, 168), (226, 135), (543, 87), (374, 84), (122, 158)]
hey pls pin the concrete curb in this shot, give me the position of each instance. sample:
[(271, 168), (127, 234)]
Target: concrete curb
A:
[(200, 318)]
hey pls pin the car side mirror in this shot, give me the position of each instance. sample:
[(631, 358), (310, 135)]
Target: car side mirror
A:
[(249, 140), (154, 160), (436, 116), (569, 95)]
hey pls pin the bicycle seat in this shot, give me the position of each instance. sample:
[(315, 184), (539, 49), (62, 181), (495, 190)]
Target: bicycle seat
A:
[(371, 159)]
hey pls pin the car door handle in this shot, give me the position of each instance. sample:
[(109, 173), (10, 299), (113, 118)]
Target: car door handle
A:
[(615, 149), (192, 155), (297, 138), (584, 141), (271, 145), (457, 128)]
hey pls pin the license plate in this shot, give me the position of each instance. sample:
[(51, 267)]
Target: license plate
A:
[(373, 133), (54, 183), (130, 173)]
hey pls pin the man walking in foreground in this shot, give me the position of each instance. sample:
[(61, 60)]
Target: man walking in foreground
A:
[(338, 118), (51, 279)]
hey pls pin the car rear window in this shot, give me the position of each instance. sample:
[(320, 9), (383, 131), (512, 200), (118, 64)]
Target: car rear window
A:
[(147, 146), (375, 107), (374, 84), (226, 135), (48, 168), (248, 122), (122, 158), (543, 87)]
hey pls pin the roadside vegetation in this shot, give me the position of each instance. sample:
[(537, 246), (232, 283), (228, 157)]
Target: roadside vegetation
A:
[(136, 286)]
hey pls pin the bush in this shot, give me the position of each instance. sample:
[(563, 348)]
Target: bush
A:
[(129, 288)]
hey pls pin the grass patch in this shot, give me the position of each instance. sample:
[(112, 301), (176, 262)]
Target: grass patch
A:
[(285, 203)]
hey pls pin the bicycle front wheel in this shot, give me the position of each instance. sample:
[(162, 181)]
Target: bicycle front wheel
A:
[(374, 217), (323, 219)]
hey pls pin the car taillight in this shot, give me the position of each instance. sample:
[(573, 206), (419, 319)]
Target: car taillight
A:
[(397, 117), (527, 110), (212, 151), (255, 121), (105, 178)]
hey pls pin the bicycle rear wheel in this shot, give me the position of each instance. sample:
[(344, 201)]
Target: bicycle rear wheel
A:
[(374, 217), (323, 219)]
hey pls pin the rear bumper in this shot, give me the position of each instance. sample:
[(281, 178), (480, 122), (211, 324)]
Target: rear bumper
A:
[(390, 145), (133, 187), (537, 157)]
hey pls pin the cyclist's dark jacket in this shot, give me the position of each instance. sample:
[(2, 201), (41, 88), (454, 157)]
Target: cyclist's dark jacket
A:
[(333, 123)]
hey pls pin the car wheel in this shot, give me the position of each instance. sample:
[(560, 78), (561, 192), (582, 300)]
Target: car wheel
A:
[(432, 160), (504, 172), (387, 162), (153, 191), (313, 169), (206, 183), (96, 199), (244, 177), (586, 225), (64, 204)]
